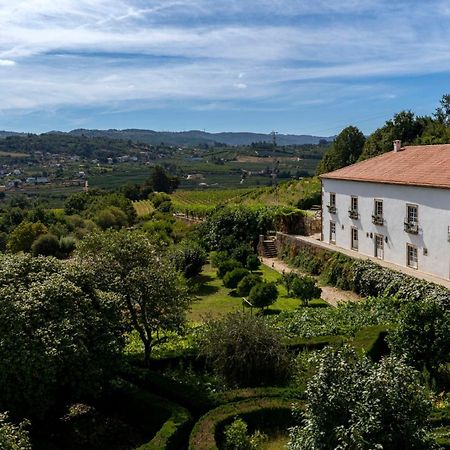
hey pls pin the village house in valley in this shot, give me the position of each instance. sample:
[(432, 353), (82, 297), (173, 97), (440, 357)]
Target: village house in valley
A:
[(395, 207)]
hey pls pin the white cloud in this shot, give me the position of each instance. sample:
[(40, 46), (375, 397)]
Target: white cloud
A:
[(84, 52)]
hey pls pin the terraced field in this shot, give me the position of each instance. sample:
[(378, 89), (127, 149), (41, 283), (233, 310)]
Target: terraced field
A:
[(143, 207)]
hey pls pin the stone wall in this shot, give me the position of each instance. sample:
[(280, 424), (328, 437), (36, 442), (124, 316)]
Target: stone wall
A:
[(296, 245)]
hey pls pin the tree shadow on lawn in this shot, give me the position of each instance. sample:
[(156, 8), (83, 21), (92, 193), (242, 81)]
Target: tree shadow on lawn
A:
[(204, 288)]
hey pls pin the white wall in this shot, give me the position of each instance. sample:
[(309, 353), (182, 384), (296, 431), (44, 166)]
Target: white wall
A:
[(434, 220)]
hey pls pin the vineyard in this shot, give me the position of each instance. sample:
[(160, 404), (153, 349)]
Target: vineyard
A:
[(143, 207), (209, 197)]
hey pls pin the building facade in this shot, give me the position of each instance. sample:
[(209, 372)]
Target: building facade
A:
[(394, 207)]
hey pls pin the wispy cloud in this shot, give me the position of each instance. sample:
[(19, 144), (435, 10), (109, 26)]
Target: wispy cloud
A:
[(86, 52)]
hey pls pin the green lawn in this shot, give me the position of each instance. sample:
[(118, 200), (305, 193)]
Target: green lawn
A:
[(214, 299)]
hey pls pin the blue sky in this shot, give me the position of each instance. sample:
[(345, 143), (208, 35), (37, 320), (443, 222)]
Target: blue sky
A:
[(294, 66)]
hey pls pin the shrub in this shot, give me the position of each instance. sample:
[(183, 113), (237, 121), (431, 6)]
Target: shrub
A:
[(305, 289), (245, 350), (422, 335), (241, 253), (338, 272), (189, 259), (67, 244), (237, 437), (218, 257), (245, 285), (252, 263), (231, 279), (13, 437), (263, 294), (111, 217), (353, 403), (23, 236), (227, 266), (46, 245)]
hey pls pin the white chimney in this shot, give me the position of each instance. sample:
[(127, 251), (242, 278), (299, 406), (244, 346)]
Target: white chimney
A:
[(397, 145)]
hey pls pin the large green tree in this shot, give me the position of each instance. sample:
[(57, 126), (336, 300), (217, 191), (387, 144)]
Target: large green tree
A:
[(345, 150), (13, 437), (353, 403), (153, 294), (60, 337)]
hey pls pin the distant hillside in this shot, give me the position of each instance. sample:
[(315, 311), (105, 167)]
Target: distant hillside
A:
[(5, 134), (195, 137)]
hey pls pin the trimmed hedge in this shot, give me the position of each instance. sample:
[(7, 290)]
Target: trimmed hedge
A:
[(372, 341), (238, 395), (315, 343), (261, 413)]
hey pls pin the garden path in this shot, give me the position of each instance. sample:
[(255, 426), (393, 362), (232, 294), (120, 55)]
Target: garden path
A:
[(330, 294)]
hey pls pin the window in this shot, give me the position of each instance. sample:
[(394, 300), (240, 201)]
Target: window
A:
[(332, 199), (377, 217), (379, 246), (412, 213), (354, 204), (332, 232), (354, 238), (379, 208), (411, 256)]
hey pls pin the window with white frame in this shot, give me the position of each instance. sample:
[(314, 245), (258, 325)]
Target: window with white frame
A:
[(354, 238), (354, 204), (332, 199), (378, 208), (412, 214), (412, 259)]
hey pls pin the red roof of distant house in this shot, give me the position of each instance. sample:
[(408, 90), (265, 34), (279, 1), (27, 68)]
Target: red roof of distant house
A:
[(420, 165)]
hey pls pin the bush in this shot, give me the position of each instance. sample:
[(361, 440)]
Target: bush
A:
[(263, 294), (13, 437), (67, 244), (46, 245), (23, 236), (237, 437), (354, 403), (241, 253), (189, 259), (252, 262), (231, 279), (422, 335), (338, 272), (227, 266), (244, 350), (305, 289), (111, 217), (245, 285)]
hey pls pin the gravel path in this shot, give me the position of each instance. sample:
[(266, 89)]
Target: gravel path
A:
[(330, 294)]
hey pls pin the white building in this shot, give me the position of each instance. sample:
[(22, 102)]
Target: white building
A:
[(395, 207)]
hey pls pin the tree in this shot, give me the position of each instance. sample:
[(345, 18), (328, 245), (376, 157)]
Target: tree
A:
[(287, 279), (356, 404), (153, 294), (22, 238), (189, 258), (442, 113), (227, 266), (46, 245), (252, 263), (60, 337), (245, 285), (111, 217), (345, 150), (13, 437), (237, 437), (162, 182), (245, 350), (231, 279), (263, 295), (422, 335), (305, 289)]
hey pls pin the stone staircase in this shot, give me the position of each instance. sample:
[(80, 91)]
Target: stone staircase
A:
[(269, 248)]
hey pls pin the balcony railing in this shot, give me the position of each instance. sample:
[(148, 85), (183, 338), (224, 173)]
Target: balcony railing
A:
[(332, 209), (411, 227), (353, 213), (377, 219)]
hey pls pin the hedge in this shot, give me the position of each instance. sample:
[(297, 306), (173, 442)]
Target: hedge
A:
[(364, 276), (237, 395), (372, 341), (175, 430), (261, 413), (315, 343)]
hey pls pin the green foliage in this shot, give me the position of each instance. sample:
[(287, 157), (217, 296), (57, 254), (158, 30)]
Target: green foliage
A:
[(353, 403), (244, 350), (252, 263), (422, 335), (346, 319), (227, 266), (245, 285), (22, 238), (46, 245), (231, 279), (338, 271), (189, 258), (13, 437), (111, 217), (345, 150), (154, 297), (287, 279), (263, 294), (442, 114), (305, 289), (241, 253), (308, 262), (67, 244), (237, 437), (61, 338), (163, 182)]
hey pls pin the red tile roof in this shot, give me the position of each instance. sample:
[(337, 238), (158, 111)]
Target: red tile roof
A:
[(421, 165)]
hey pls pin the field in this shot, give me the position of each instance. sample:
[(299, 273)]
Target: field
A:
[(208, 196), (143, 207)]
